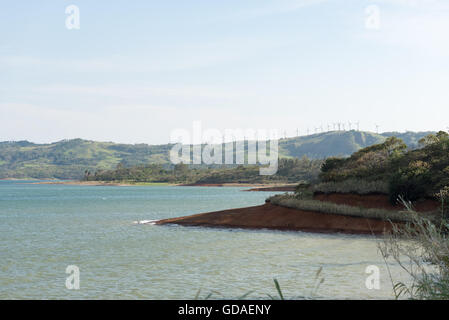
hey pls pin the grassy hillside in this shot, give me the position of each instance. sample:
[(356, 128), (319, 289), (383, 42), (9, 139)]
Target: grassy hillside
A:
[(341, 143), (68, 159)]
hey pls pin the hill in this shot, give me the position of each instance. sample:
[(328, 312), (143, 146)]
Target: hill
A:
[(341, 143), (69, 159)]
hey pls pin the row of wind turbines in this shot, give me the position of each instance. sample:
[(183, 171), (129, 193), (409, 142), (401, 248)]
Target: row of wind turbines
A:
[(336, 126)]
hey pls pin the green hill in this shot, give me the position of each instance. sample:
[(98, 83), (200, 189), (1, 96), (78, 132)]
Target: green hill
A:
[(341, 143), (68, 159)]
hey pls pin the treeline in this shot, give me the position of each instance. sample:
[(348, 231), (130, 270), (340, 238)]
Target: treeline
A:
[(289, 171), (412, 174)]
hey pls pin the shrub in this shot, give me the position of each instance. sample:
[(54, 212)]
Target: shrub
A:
[(352, 186), (411, 183)]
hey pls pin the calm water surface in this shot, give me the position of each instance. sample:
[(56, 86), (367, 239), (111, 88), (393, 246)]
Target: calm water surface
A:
[(45, 228)]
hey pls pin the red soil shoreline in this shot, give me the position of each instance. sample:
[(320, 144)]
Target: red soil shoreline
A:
[(379, 201), (270, 216)]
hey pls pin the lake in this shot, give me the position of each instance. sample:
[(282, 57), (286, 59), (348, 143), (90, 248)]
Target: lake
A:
[(45, 228)]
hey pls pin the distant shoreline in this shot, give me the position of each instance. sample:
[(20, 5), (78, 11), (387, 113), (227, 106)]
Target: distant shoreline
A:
[(253, 186), (102, 183)]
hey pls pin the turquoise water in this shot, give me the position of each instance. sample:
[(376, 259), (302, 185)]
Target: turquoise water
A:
[(45, 228)]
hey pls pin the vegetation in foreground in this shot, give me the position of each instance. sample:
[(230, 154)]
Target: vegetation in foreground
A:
[(317, 282), (421, 244), (421, 248)]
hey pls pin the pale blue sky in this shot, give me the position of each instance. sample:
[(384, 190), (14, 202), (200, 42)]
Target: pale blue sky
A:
[(136, 70)]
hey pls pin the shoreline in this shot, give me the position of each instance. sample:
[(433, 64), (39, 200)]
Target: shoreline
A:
[(275, 217), (269, 216), (102, 183), (254, 186)]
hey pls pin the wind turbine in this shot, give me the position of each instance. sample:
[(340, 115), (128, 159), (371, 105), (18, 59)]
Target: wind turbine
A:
[(349, 125), (343, 126), (357, 124), (328, 127), (321, 127), (297, 132), (377, 128)]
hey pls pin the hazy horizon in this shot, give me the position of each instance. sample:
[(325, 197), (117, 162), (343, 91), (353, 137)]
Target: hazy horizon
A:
[(168, 142), (134, 72)]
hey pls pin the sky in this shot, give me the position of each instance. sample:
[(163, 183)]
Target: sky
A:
[(135, 71)]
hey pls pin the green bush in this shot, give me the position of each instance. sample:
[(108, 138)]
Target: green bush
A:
[(413, 174), (411, 183)]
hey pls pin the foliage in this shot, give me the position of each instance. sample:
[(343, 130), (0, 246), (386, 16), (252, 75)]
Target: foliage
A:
[(370, 163), (356, 186), (414, 174), (290, 170), (421, 248)]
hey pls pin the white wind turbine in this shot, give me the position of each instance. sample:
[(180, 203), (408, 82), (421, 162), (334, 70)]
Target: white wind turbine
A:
[(377, 128)]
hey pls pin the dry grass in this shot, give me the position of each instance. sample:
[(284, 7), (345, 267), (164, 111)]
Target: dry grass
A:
[(421, 248), (290, 201)]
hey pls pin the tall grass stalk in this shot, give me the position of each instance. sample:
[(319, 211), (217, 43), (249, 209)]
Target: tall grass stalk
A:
[(421, 249)]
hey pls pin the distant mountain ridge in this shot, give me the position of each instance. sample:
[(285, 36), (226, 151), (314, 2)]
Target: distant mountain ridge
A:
[(341, 143), (68, 159)]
